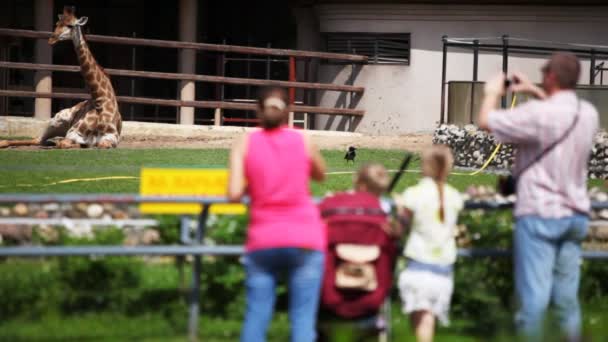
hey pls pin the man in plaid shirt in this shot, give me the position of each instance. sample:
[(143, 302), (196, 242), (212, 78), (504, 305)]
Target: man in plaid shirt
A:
[(551, 212)]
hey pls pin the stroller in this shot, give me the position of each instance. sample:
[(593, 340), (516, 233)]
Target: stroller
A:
[(359, 265)]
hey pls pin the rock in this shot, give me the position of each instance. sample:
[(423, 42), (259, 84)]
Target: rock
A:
[(601, 197), (15, 233), (120, 215), (41, 215), (20, 210), (48, 234), (603, 214), (94, 211), (109, 207), (51, 207)]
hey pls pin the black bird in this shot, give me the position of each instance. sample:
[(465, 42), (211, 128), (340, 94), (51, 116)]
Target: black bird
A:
[(351, 154)]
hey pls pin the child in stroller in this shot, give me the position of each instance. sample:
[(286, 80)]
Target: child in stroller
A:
[(360, 256)]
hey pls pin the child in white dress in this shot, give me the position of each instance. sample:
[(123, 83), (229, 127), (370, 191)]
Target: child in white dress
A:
[(432, 207)]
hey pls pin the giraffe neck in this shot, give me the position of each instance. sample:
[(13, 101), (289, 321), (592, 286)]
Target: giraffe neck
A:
[(95, 78)]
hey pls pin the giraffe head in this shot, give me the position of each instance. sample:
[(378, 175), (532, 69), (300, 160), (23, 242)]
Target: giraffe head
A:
[(67, 25)]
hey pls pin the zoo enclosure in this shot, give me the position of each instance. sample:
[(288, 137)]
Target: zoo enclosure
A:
[(220, 104), (193, 244), (464, 97)]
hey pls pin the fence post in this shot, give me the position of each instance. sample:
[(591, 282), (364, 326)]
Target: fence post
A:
[(475, 69), (196, 278), (43, 17), (292, 91), (592, 68), (505, 64), (443, 77)]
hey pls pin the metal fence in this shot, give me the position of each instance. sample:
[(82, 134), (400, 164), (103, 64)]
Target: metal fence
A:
[(193, 244), (219, 104)]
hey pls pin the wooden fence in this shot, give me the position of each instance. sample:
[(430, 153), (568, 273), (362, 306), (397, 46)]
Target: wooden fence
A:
[(218, 106)]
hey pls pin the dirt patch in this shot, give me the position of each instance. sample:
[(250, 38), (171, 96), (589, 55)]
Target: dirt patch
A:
[(414, 143)]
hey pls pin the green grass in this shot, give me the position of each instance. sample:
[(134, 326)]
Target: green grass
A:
[(35, 171)]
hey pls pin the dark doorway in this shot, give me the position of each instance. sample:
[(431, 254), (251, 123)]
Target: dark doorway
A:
[(249, 23)]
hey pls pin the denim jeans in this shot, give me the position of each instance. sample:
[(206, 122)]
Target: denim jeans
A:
[(547, 259), (304, 271)]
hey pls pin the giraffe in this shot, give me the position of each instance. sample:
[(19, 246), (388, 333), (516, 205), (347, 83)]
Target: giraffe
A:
[(92, 123)]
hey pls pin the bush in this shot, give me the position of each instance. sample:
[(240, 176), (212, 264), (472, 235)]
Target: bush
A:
[(484, 289), (223, 278), (95, 284), (27, 288)]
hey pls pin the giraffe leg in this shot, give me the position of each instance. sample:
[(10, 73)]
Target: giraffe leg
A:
[(65, 144), (105, 144), (11, 143)]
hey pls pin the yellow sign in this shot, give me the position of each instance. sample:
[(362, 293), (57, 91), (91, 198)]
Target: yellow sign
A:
[(186, 182)]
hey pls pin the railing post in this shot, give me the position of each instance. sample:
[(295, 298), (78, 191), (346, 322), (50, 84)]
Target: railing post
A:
[(475, 69), (505, 63), (292, 91), (592, 68), (196, 278), (443, 78), (133, 67), (44, 55), (187, 57)]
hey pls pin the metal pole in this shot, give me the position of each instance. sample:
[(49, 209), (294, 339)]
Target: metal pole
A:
[(292, 91), (196, 278), (475, 67), (268, 63), (133, 62), (443, 77), (592, 68), (505, 63)]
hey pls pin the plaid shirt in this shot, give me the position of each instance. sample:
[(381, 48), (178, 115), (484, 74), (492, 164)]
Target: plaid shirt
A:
[(556, 186)]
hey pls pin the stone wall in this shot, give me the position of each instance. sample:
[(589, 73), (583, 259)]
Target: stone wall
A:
[(472, 147)]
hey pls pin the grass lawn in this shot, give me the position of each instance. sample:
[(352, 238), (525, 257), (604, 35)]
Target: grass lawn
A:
[(34, 171)]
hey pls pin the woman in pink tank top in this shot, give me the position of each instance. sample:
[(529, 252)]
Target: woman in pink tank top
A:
[(274, 165)]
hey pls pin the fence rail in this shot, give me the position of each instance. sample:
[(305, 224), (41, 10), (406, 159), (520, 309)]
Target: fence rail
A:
[(189, 77), (179, 103), (249, 50), (195, 246), (219, 105)]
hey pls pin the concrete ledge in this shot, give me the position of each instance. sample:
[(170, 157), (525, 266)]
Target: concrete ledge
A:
[(29, 127)]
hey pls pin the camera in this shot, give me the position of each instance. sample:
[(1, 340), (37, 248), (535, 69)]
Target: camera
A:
[(509, 82)]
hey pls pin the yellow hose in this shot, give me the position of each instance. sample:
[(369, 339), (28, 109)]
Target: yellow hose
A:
[(493, 155), (66, 181)]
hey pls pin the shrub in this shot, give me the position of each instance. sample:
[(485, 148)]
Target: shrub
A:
[(484, 287), (97, 284), (27, 288)]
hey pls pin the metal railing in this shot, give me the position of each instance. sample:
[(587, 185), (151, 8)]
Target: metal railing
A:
[(219, 105), (193, 245)]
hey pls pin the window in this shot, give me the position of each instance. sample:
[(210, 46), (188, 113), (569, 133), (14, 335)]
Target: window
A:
[(381, 48)]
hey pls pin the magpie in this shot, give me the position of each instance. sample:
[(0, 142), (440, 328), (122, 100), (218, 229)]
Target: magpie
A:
[(351, 154)]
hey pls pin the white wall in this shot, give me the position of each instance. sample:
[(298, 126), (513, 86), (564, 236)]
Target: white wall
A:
[(404, 99)]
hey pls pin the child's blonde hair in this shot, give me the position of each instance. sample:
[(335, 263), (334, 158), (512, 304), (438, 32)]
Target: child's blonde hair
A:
[(373, 177), (437, 162)]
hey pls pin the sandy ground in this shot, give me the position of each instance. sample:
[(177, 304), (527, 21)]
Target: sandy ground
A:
[(153, 135), (414, 143)]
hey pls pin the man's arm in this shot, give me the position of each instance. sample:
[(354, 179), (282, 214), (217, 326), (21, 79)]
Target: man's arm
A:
[(525, 86), (519, 125), (493, 91)]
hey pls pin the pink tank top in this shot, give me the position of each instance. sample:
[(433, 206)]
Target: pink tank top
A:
[(283, 214)]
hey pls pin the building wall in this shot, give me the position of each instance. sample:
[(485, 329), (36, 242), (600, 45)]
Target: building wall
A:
[(404, 99)]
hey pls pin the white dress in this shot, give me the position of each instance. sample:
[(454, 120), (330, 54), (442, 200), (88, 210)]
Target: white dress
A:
[(427, 283)]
